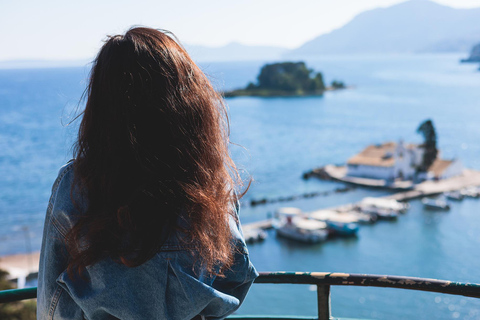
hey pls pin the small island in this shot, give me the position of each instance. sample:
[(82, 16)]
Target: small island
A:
[(286, 79)]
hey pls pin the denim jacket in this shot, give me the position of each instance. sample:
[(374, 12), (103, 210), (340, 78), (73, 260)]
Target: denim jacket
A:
[(165, 287)]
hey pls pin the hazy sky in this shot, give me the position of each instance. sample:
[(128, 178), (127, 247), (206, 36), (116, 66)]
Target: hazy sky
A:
[(61, 29)]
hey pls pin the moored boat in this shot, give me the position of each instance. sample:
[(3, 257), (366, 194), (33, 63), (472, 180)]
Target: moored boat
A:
[(254, 235), (471, 192), (293, 226), (435, 204), (386, 204), (380, 213), (341, 224), (454, 195), (303, 230), (342, 229)]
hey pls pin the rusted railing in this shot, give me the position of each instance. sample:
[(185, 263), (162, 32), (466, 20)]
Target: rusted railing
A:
[(323, 281)]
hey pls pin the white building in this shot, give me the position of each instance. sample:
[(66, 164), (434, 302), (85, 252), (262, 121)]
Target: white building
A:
[(390, 161)]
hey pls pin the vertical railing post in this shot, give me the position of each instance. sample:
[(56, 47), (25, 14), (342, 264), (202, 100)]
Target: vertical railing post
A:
[(323, 297)]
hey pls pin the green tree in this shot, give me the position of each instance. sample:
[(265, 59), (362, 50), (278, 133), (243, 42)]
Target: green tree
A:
[(429, 145), (293, 77), (338, 84), (317, 83)]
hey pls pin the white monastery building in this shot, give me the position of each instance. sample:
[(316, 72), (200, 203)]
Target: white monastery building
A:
[(391, 161)]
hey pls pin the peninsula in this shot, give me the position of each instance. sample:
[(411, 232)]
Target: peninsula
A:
[(286, 79)]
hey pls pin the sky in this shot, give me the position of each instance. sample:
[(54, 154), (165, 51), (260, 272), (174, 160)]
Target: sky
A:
[(74, 30)]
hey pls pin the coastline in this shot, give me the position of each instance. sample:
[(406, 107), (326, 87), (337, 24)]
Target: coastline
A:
[(20, 265), (263, 93)]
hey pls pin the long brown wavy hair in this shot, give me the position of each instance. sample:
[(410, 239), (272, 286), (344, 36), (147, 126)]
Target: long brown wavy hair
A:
[(151, 157)]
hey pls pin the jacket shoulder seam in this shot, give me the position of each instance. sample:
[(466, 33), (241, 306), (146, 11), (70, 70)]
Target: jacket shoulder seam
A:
[(68, 168), (53, 220)]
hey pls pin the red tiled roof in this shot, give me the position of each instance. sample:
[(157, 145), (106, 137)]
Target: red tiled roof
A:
[(375, 155)]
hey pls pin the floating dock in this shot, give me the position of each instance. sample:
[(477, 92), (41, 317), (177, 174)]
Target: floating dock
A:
[(22, 266), (469, 178)]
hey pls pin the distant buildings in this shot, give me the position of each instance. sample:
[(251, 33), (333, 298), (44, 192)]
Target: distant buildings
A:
[(391, 161)]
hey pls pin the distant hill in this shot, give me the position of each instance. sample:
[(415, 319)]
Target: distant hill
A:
[(234, 52), (230, 52), (39, 64), (409, 27), (474, 54)]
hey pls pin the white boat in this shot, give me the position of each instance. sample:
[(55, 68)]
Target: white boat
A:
[(354, 210), (471, 192), (435, 204), (365, 218), (254, 235), (342, 224), (293, 226), (303, 230), (385, 204), (454, 195), (287, 211), (332, 215), (379, 213)]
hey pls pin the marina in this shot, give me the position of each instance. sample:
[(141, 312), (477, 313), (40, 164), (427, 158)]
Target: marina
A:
[(342, 220)]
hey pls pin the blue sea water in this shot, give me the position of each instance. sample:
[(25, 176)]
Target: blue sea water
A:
[(281, 139)]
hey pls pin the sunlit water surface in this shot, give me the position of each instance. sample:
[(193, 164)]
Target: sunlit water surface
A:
[(282, 138)]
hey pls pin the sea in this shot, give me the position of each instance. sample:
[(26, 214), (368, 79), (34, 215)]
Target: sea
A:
[(276, 140)]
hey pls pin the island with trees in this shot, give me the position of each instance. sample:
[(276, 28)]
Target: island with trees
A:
[(286, 79)]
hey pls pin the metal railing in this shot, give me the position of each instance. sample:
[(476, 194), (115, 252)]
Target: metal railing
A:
[(17, 294), (323, 281)]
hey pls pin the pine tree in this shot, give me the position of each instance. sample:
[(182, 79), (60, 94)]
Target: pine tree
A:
[(429, 145)]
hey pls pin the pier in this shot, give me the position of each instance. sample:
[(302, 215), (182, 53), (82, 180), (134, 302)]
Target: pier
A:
[(469, 178)]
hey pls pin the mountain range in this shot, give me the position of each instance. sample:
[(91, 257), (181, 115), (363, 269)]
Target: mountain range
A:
[(414, 26), (409, 27), (235, 52)]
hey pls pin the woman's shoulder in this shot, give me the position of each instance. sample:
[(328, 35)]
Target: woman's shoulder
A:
[(64, 170), (64, 203)]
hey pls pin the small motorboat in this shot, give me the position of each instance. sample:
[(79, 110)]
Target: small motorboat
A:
[(342, 229), (294, 226), (340, 224), (471, 192), (380, 213), (254, 235), (435, 204), (303, 230), (454, 195), (385, 203)]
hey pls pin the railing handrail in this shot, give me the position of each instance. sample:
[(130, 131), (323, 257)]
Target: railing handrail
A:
[(323, 281), (18, 294), (371, 280)]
